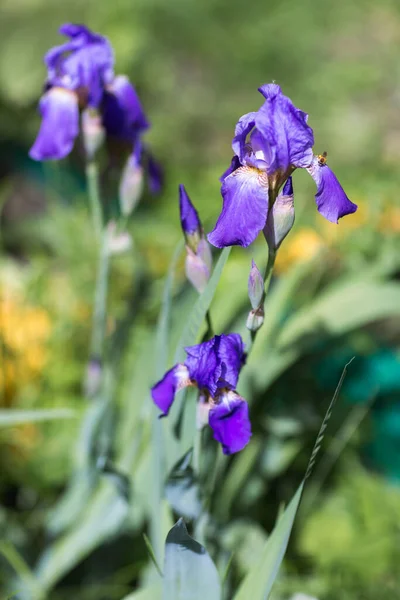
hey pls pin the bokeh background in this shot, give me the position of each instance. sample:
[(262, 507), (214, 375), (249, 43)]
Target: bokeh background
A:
[(197, 66)]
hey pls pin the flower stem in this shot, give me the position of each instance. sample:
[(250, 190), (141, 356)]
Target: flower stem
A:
[(197, 452), (268, 270), (100, 301), (92, 178)]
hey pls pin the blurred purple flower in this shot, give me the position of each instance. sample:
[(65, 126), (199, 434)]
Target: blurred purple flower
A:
[(77, 73), (80, 75), (213, 367), (269, 145)]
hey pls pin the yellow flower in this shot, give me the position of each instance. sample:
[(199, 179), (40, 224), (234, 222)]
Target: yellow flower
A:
[(298, 247), (24, 333)]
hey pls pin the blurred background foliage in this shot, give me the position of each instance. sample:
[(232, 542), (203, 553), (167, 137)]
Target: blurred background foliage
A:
[(336, 294)]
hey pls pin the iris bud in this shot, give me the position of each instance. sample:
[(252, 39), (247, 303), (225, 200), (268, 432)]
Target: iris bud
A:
[(131, 185), (255, 319), (198, 254), (280, 217), (198, 265), (94, 372), (93, 132), (255, 286)]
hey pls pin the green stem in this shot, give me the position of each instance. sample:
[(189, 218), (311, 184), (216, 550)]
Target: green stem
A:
[(269, 270), (100, 297), (197, 451), (100, 301), (92, 178)]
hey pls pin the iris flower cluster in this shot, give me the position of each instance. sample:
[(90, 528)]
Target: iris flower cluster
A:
[(257, 191), (269, 145), (80, 77), (213, 367)]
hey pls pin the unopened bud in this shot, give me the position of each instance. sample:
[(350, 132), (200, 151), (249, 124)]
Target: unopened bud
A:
[(93, 132), (93, 377), (118, 242), (281, 217), (131, 185), (255, 319), (198, 265), (255, 286), (202, 412), (190, 221)]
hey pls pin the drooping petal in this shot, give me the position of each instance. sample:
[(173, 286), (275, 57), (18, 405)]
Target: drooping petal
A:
[(235, 164), (245, 208), (285, 129), (231, 354), (331, 198), (204, 364), (163, 392), (60, 125), (155, 174), (229, 420), (189, 216), (242, 130), (123, 115)]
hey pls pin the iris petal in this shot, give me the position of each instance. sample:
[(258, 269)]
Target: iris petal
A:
[(235, 164), (230, 422), (242, 129), (163, 392), (332, 201), (204, 365), (123, 115), (189, 216), (245, 208), (231, 354), (60, 125), (285, 128)]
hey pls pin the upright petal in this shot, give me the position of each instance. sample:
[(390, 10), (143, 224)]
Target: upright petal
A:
[(163, 392), (242, 130), (245, 208), (84, 63), (229, 420), (190, 221), (204, 365), (231, 354), (285, 128), (123, 115), (60, 125), (331, 198)]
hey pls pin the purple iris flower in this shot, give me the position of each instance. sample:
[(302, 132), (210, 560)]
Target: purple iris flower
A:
[(269, 145), (80, 74), (213, 367), (77, 73), (123, 115)]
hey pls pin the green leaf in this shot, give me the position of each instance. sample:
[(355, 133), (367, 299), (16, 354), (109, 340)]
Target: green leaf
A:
[(342, 309), (10, 418), (182, 489), (198, 314), (150, 593), (189, 572), (258, 582)]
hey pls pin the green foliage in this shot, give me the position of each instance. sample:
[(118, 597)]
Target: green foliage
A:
[(81, 481)]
